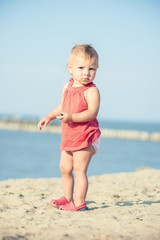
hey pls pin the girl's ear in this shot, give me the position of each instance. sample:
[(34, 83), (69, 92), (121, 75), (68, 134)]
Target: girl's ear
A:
[(69, 68)]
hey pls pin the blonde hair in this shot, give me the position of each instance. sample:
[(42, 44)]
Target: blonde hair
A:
[(83, 50)]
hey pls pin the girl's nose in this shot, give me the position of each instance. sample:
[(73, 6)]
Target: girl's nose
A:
[(86, 72)]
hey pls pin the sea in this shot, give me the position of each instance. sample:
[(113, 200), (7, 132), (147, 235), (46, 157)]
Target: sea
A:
[(37, 154)]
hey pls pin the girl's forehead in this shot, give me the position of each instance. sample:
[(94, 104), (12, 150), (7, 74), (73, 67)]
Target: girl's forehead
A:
[(85, 61)]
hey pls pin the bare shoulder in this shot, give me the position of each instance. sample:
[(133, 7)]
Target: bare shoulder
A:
[(65, 86), (64, 89), (91, 93), (92, 90)]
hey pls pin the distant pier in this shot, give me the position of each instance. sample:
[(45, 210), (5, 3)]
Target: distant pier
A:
[(31, 126)]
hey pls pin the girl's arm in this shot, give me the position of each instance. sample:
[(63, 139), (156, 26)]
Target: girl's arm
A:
[(93, 101), (53, 114)]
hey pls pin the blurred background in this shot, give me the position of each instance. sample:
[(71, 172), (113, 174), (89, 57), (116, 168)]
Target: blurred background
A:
[(36, 38)]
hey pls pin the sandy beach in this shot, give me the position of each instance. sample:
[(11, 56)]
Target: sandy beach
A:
[(121, 206)]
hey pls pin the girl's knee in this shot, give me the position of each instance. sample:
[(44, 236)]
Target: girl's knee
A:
[(62, 168), (65, 169)]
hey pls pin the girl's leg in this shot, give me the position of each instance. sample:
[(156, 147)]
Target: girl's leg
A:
[(81, 160), (66, 167)]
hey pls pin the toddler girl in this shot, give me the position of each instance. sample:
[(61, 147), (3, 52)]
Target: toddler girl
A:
[(80, 129)]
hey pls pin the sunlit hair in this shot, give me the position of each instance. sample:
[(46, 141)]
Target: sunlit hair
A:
[(83, 50)]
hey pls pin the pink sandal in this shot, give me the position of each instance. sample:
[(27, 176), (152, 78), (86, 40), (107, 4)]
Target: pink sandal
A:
[(58, 202), (71, 207)]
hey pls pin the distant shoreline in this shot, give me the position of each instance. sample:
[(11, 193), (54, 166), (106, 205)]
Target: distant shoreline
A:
[(13, 124)]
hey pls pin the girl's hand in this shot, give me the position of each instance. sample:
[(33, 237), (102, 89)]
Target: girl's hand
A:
[(65, 117), (44, 121)]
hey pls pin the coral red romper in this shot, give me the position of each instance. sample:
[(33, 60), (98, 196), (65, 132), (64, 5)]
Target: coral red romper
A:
[(76, 136)]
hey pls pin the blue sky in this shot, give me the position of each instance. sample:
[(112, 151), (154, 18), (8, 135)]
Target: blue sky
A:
[(36, 38)]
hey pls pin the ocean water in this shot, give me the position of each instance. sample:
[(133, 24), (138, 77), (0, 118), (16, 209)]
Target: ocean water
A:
[(36, 155), (139, 126)]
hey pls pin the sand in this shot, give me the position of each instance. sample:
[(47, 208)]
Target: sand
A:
[(121, 206)]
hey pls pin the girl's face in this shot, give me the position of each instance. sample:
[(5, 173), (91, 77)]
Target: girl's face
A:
[(83, 70)]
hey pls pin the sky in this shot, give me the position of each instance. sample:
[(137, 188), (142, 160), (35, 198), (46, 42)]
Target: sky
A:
[(36, 38)]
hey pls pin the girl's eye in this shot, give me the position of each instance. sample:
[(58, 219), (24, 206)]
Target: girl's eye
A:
[(80, 67), (92, 69)]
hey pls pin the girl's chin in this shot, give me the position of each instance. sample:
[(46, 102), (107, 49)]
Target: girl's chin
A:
[(85, 82)]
